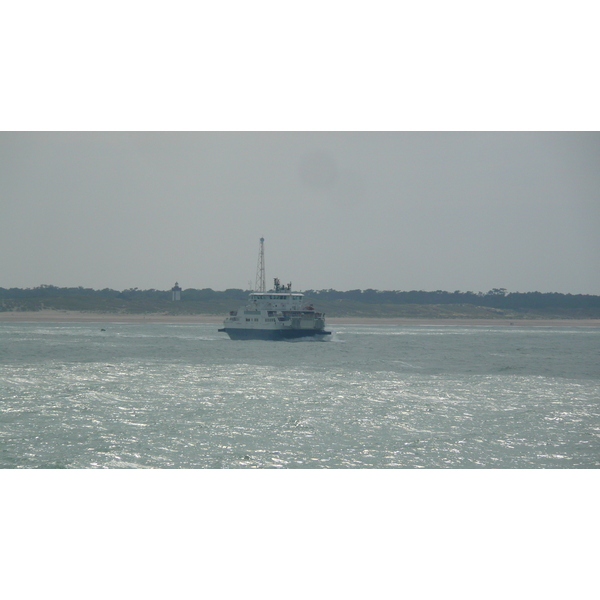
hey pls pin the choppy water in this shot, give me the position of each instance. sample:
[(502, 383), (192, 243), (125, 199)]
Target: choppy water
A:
[(185, 396)]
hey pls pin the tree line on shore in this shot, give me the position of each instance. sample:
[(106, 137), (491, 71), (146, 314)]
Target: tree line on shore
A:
[(496, 298), (343, 303)]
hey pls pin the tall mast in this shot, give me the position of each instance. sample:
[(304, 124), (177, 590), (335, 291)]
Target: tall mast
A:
[(260, 285)]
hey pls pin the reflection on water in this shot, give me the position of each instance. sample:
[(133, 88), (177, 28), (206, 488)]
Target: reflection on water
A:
[(184, 396)]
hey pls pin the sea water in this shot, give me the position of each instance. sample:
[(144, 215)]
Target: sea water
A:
[(113, 395)]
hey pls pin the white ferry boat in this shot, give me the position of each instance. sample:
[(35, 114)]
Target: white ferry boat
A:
[(279, 314)]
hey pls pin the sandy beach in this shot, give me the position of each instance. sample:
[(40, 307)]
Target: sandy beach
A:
[(466, 322), (73, 316), (65, 316)]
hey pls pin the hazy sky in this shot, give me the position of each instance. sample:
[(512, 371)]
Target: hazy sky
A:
[(450, 211)]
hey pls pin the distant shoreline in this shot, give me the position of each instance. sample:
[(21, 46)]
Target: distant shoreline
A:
[(65, 316)]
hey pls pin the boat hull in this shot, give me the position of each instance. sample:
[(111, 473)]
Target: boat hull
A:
[(273, 334)]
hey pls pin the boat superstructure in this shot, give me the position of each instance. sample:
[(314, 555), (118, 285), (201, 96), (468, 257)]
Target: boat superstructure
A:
[(277, 314)]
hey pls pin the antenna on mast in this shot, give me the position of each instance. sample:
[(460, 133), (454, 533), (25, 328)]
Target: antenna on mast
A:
[(260, 285)]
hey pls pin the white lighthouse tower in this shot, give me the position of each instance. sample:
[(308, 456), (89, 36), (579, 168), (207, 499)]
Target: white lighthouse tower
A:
[(176, 292)]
